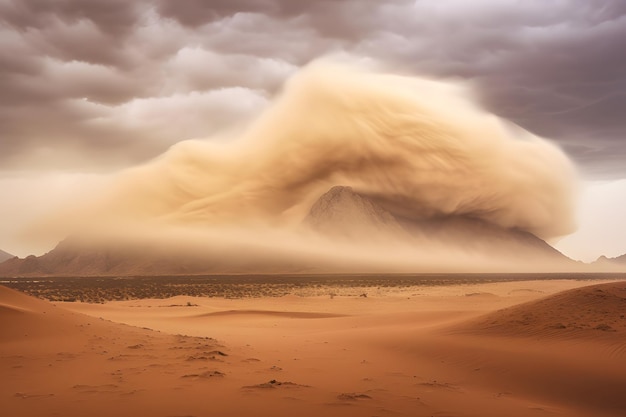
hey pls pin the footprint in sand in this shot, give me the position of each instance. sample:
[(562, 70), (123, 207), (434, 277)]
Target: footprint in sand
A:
[(96, 389), (28, 396), (353, 396), (273, 384), (205, 375), (440, 386)]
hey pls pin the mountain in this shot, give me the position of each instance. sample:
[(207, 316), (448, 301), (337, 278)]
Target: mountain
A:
[(73, 257), (618, 262), (343, 213), (620, 259), (4, 256), (339, 215)]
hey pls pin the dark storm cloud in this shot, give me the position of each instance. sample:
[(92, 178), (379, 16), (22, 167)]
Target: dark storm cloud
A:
[(198, 12), (118, 81), (111, 16), (334, 18)]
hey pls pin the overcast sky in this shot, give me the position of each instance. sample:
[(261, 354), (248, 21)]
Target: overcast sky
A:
[(91, 86)]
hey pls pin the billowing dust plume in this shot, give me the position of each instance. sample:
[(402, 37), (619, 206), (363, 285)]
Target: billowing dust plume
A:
[(420, 149)]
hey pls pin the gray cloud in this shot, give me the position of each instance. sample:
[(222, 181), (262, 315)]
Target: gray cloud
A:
[(109, 15), (107, 83), (553, 67)]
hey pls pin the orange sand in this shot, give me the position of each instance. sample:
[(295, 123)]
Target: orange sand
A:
[(467, 350)]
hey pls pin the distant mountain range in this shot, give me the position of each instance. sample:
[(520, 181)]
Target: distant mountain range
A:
[(620, 259), (74, 257), (5, 255), (615, 262), (341, 214)]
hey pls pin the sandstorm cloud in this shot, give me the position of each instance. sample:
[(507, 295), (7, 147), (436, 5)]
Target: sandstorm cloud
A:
[(99, 84), (421, 149)]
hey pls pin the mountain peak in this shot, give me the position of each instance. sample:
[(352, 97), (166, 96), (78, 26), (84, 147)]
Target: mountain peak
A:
[(343, 212), (605, 260)]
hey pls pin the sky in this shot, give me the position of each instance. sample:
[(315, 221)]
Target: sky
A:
[(90, 87)]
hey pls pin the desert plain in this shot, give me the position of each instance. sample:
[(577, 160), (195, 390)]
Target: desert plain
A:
[(520, 347)]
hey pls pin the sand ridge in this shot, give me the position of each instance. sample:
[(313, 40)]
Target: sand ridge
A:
[(272, 313), (592, 312)]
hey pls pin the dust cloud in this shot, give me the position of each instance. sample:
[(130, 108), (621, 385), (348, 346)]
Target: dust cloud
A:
[(419, 148)]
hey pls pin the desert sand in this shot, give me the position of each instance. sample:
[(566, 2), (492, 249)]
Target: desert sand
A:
[(523, 348)]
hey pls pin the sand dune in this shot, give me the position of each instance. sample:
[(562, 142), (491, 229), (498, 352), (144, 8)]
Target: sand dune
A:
[(595, 312), (26, 317), (55, 362), (412, 352), (570, 347)]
